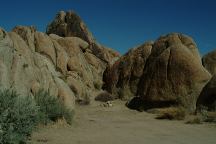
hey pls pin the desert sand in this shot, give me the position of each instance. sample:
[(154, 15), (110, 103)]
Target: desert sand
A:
[(94, 124)]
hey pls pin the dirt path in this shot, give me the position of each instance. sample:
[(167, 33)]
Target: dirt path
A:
[(118, 125)]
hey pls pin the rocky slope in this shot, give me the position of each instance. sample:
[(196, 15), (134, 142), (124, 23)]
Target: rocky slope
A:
[(68, 67), (25, 69), (165, 73)]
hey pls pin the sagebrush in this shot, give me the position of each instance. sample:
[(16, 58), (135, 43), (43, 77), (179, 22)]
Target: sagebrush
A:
[(18, 117), (51, 108)]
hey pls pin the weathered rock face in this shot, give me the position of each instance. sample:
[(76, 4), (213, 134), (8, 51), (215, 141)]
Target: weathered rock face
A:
[(165, 73), (207, 97), (121, 79), (209, 62), (68, 67), (69, 24), (26, 70), (80, 74)]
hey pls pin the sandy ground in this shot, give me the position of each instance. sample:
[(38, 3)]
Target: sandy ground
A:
[(95, 124)]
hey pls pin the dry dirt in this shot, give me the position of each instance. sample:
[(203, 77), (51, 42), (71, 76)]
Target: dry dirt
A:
[(94, 124)]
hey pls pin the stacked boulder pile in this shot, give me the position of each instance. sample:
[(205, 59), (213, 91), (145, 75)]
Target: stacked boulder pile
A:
[(167, 73), (66, 61)]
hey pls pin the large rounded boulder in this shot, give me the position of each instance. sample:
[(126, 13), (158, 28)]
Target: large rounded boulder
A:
[(173, 74), (121, 79)]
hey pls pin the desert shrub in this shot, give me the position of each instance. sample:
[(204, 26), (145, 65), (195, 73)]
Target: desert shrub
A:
[(104, 97), (203, 115), (51, 108), (208, 116), (211, 118), (199, 118), (18, 117), (172, 113)]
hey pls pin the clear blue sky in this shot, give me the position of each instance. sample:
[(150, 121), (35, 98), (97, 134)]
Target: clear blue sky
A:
[(122, 24)]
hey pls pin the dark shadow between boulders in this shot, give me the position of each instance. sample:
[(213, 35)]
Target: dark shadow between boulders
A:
[(137, 103)]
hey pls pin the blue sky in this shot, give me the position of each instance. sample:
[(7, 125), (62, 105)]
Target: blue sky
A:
[(122, 24)]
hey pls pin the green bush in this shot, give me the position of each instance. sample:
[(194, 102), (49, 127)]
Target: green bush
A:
[(18, 117), (51, 108)]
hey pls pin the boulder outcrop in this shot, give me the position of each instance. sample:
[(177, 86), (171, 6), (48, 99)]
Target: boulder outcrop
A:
[(207, 97), (209, 62), (69, 24), (165, 73), (68, 62), (173, 74), (25, 70), (121, 78), (67, 67)]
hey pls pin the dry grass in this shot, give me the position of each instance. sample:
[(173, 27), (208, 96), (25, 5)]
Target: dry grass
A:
[(59, 123), (172, 113), (200, 118), (194, 120)]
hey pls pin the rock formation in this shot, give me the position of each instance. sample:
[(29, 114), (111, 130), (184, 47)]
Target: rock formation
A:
[(209, 62), (69, 63), (69, 24), (26, 70), (165, 73), (68, 67), (173, 74), (121, 78), (207, 97)]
